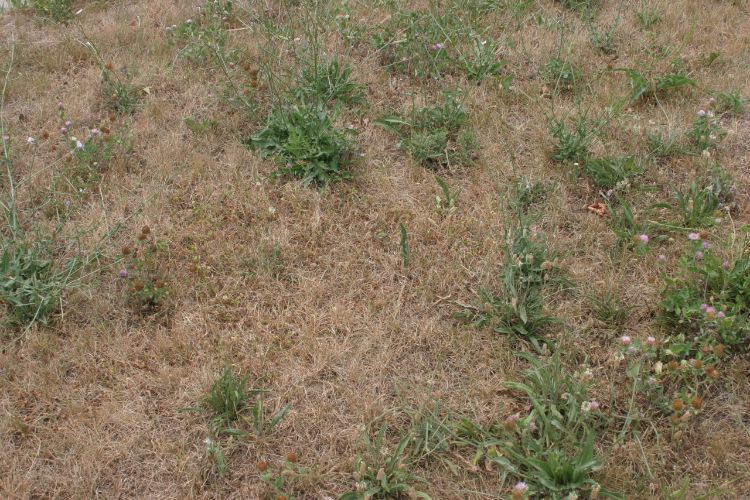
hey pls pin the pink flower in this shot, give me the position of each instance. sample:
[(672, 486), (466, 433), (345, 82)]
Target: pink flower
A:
[(60, 105), (662, 258), (694, 236), (704, 307), (721, 314), (437, 46), (626, 340), (726, 264), (701, 113), (710, 311), (68, 123), (717, 220), (594, 405), (79, 145), (650, 341), (699, 255), (706, 245), (123, 273), (643, 238), (520, 488)]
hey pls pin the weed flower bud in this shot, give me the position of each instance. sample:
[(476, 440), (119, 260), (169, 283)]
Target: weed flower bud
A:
[(626, 340)]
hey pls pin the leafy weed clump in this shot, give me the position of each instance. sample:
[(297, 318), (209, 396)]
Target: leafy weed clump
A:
[(30, 287), (304, 141), (518, 309), (551, 449), (643, 87), (381, 474), (437, 136)]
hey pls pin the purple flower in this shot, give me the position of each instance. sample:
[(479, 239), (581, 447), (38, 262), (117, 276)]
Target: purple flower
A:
[(626, 340), (706, 245), (651, 340), (662, 258), (704, 307), (79, 145), (68, 123), (698, 255), (701, 113), (594, 405), (63, 130), (123, 273), (694, 236), (437, 46), (66, 203), (721, 314), (95, 131), (643, 238), (710, 311), (726, 264)]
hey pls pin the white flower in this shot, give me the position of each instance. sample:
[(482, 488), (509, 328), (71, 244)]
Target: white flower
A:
[(30, 141), (79, 145)]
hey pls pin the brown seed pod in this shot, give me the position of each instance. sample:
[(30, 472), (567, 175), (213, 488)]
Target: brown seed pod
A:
[(697, 402), (145, 230), (126, 250), (138, 287), (292, 457), (262, 466), (678, 405)]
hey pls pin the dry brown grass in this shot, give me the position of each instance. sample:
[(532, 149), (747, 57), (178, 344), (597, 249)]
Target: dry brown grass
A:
[(91, 405)]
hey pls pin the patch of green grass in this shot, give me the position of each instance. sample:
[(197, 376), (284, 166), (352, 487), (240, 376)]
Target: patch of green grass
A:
[(54, 10), (437, 136), (230, 399), (571, 146), (483, 62), (561, 74), (610, 172), (329, 82), (201, 38), (730, 102)]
